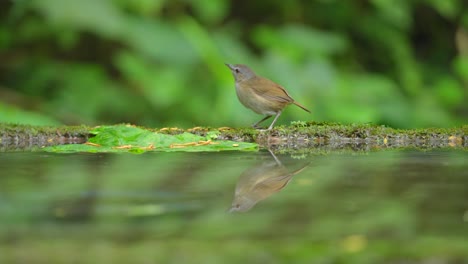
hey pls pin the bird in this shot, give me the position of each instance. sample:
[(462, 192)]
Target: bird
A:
[(260, 182), (260, 94)]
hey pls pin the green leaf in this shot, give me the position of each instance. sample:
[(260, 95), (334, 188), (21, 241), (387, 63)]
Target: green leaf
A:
[(126, 138)]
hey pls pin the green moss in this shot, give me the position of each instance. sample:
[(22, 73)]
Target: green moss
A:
[(299, 135), (23, 131)]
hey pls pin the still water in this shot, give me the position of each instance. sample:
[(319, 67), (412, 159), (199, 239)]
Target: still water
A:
[(351, 207)]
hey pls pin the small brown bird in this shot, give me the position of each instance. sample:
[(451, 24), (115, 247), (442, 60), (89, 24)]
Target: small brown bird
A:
[(260, 94), (260, 182)]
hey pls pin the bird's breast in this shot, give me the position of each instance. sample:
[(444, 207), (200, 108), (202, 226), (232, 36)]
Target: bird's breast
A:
[(255, 102)]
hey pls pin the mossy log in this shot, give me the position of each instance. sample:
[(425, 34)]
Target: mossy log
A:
[(298, 135)]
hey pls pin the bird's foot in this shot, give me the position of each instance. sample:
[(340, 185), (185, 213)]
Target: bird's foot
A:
[(259, 128)]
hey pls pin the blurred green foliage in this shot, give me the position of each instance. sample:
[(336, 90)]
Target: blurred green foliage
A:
[(160, 62)]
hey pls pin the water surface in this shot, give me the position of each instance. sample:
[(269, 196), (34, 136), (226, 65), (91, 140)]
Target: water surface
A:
[(363, 207)]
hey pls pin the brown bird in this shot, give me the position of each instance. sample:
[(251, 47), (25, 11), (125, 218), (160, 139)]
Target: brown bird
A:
[(259, 182), (260, 94)]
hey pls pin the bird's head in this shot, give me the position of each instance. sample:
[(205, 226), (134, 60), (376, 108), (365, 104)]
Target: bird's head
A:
[(241, 72)]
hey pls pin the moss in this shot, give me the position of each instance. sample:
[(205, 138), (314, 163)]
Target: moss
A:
[(15, 130), (299, 135), (27, 137)]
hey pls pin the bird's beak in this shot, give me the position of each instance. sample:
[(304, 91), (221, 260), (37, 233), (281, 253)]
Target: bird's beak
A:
[(230, 66)]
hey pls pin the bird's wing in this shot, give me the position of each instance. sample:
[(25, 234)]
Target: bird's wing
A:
[(274, 184), (269, 90)]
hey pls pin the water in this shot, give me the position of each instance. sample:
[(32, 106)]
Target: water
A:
[(363, 207)]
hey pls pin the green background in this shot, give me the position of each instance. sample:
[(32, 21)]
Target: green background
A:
[(160, 63)]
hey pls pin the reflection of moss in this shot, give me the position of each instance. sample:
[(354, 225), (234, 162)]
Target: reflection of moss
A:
[(299, 135)]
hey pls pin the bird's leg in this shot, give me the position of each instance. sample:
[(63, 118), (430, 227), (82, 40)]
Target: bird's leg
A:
[(265, 118), (278, 162), (274, 120)]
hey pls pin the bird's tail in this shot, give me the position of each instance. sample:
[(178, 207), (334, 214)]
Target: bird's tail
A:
[(301, 169), (301, 106)]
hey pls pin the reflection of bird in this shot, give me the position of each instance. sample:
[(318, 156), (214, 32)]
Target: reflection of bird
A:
[(259, 182)]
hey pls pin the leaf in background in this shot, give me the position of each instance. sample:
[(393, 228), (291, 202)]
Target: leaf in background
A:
[(83, 92), (211, 11), (14, 115), (159, 41), (297, 41), (449, 92), (162, 86), (461, 66), (447, 8), (144, 7), (101, 17), (396, 12)]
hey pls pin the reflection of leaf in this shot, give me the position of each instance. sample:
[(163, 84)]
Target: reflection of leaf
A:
[(123, 138)]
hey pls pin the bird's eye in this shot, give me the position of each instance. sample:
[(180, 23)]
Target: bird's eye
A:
[(237, 70)]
